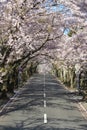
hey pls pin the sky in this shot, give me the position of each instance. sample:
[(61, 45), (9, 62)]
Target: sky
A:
[(50, 6)]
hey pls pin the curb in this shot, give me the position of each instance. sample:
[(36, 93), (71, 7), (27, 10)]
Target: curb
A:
[(11, 100), (81, 107), (83, 110)]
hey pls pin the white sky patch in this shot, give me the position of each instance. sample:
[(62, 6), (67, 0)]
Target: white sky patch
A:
[(44, 68), (3, 1), (66, 31)]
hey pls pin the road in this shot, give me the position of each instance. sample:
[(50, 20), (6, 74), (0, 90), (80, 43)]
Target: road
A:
[(43, 104)]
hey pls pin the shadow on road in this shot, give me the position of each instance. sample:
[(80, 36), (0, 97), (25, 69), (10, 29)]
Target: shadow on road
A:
[(22, 126), (30, 104)]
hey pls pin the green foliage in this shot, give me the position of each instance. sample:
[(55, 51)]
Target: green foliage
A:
[(83, 79), (49, 28), (71, 32), (42, 20), (65, 74)]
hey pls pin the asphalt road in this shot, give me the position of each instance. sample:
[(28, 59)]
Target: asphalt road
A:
[(43, 104)]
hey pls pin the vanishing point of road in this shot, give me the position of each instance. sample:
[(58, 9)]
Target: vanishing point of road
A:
[(43, 104)]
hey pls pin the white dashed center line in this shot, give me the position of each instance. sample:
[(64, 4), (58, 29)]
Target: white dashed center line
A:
[(44, 103), (45, 118), (44, 95)]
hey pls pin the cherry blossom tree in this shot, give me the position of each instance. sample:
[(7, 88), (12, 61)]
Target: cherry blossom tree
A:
[(34, 30)]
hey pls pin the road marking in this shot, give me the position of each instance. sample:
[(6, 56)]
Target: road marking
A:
[(82, 110), (44, 95), (83, 114), (45, 118), (44, 103), (13, 98), (9, 102), (82, 107)]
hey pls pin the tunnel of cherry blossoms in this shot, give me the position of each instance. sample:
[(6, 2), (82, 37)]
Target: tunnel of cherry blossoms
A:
[(38, 36)]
